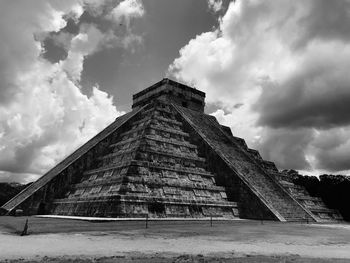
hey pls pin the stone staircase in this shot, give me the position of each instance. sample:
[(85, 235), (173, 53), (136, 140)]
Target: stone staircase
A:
[(314, 204), (166, 158), (235, 153)]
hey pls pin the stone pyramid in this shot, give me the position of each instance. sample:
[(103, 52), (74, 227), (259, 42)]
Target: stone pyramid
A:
[(166, 158), (149, 168)]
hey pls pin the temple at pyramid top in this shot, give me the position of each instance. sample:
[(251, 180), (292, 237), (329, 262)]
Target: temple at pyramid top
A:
[(171, 91)]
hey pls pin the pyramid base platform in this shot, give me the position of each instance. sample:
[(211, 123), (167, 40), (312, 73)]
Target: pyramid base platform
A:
[(141, 207)]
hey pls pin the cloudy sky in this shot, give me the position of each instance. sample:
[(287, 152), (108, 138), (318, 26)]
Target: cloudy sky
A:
[(276, 72)]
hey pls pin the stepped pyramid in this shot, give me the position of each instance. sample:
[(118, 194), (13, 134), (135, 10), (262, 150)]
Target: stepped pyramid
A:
[(166, 158)]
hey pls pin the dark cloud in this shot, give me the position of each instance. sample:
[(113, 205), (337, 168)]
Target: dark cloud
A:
[(72, 26), (21, 159), (213, 107), (288, 62), (57, 44), (326, 20), (238, 105), (286, 147), (43, 113), (53, 51), (337, 159), (316, 95), (166, 27), (17, 177), (332, 149), (314, 98)]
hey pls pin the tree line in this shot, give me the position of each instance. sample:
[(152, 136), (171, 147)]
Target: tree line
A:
[(333, 189)]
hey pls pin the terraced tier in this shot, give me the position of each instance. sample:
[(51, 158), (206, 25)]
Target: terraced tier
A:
[(141, 206), (59, 168), (152, 160), (167, 158)]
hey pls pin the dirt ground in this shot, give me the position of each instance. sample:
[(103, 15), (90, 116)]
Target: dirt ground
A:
[(62, 240)]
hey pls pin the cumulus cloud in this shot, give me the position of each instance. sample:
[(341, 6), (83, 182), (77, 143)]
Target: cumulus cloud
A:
[(215, 5), (316, 94), (127, 10), (286, 63), (332, 149), (44, 114), (83, 44), (287, 147)]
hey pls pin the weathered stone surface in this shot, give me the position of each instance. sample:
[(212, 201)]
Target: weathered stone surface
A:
[(168, 159), (150, 168), (314, 204), (59, 179)]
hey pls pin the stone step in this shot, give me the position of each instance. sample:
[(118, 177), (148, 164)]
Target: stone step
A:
[(162, 129), (170, 141), (197, 170), (300, 193), (161, 152), (241, 162), (160, 118), (161, 182), (155, 119), (118, 153), (143, 199), (76, 155), (255, 154), (123, 142)]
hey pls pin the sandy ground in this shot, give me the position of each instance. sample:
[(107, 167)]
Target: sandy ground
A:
[(57, 240)]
